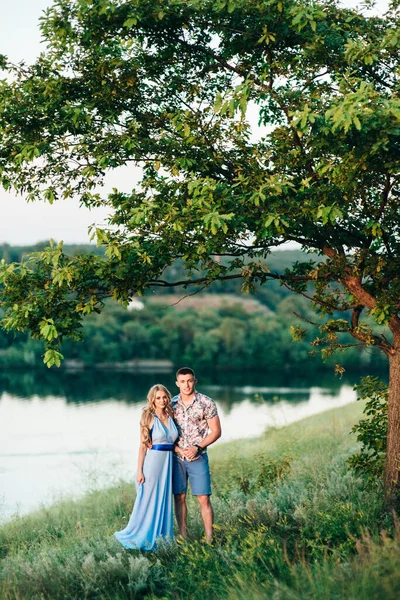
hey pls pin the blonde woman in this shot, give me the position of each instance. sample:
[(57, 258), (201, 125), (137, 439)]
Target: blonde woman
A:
[(151, 517)]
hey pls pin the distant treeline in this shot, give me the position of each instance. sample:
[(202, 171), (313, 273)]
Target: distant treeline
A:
[(17, 253), (270, 294), (226, 337)]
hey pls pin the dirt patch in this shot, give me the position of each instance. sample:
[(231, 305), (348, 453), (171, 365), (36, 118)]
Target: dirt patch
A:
[(180, 302)]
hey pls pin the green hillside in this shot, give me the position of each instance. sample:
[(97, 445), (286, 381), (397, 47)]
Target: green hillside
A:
[(292, 522)]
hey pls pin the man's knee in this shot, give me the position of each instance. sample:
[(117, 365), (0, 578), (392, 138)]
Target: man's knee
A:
[(180, 498), (204, 501)]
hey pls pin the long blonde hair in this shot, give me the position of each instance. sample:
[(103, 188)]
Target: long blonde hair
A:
[(149, 411)]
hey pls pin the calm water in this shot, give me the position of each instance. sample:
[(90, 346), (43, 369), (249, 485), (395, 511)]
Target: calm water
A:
[(64, 433)]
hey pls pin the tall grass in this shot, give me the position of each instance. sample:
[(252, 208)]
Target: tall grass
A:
[(291, 522), (372, 574)]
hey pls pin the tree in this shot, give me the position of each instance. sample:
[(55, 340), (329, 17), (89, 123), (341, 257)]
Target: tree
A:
[(170, 85)]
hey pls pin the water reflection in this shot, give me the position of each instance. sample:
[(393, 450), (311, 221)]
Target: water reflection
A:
[(65, 432), (97, 386)]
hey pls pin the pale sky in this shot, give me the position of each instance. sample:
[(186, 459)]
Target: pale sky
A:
[(22, 223)]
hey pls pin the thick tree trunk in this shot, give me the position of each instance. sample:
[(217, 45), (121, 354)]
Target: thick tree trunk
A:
[(392, 465)]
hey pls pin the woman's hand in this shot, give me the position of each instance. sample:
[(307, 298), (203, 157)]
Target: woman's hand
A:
[(140, 477), (179, 451)]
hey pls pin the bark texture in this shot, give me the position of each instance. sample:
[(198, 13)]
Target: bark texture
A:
[(392, 466)]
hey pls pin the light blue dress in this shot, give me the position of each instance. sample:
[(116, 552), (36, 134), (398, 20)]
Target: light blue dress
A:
[(152, 515)]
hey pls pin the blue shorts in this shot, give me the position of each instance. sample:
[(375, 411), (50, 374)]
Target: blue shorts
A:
[(196, 471)]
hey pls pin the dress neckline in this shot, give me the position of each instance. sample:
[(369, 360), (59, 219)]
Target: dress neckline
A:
[(165, 427)]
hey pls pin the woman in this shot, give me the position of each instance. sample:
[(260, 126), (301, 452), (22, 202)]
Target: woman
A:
[(152, 513)]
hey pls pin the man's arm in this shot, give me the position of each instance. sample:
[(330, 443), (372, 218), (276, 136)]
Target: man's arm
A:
[(214, 424)]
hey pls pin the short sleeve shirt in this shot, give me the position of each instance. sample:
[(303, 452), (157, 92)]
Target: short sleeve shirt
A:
[(191, 420)]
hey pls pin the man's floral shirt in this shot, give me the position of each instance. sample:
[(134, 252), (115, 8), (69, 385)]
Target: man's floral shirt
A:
[(191, 420)]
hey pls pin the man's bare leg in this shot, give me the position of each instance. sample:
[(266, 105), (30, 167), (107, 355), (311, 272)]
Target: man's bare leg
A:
[(207, 515), (181, 513)]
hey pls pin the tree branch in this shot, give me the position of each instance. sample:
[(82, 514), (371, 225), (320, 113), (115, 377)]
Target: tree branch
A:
[(268, 87), (183, 297), (208, 280)]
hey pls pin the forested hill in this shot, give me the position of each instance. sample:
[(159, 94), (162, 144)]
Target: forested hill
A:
[(270, 294), (217, 328), (17, 253), (278, 261)]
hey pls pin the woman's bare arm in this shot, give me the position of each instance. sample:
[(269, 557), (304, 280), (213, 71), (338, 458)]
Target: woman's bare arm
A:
[(142, 453)]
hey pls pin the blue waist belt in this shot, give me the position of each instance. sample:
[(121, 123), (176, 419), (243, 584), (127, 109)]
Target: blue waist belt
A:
[(162, 447)]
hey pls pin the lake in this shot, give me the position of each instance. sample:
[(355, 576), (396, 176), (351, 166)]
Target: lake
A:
[(66, 433)]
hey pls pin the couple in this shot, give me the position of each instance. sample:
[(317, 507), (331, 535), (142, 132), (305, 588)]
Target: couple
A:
[(174, 435)]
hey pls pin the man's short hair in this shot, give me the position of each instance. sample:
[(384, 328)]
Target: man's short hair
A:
[(185, 371)]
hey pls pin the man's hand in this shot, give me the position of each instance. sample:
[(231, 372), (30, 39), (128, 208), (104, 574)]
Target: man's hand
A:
[(191, 452)]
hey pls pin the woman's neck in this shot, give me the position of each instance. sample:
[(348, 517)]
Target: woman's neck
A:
[(161, 414)]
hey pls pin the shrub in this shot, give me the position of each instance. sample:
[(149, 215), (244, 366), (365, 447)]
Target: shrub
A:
[(90, 569), (371, 432)]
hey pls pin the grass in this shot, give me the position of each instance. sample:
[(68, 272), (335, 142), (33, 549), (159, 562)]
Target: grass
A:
[(292, 522)]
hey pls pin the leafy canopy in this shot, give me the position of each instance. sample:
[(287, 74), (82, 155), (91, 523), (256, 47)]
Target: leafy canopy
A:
[(174, 87)]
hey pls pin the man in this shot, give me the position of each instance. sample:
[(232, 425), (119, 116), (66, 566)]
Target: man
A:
[(198, 424)]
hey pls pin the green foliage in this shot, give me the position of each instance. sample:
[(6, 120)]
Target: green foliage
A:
[(303, 519), (323, 80), (229, 336), (334, 514), (372, 431), (372, 573), (93, 568), (272, 470), (52, 357), (267, 472), (226, 337)]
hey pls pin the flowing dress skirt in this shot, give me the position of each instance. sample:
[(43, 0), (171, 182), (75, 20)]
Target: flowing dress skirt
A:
[(152, 515)]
